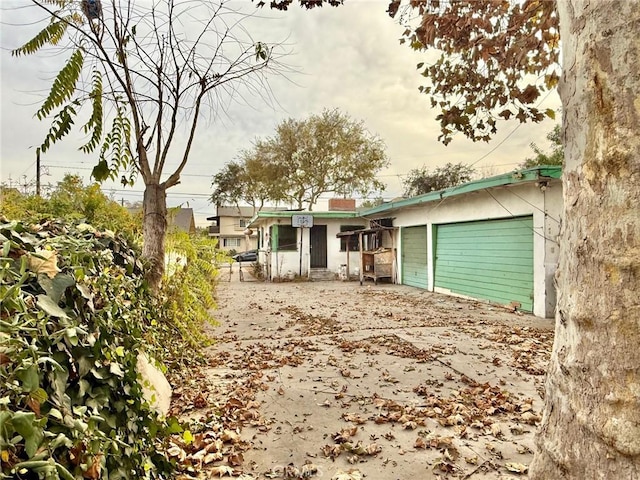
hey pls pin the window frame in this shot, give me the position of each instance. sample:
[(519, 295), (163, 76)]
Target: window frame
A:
[(236, 240), (289, 247)]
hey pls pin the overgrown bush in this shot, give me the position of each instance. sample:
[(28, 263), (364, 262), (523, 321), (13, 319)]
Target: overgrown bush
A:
[(189, 290), (75, 313), (74, 202)]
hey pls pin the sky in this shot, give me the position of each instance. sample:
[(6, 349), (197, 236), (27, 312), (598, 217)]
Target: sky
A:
[(347, 58)]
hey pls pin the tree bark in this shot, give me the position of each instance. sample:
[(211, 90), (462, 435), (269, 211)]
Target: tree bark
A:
[(154, 228), (591, 422)]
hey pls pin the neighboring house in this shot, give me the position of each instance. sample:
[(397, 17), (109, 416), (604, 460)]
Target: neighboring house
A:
[(177, 218), (229, 226), (494, 239), (181, 219), (286, 250)]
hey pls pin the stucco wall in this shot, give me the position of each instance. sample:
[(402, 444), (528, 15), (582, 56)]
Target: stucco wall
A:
[(284, 263), (230, 228), (545, 204)]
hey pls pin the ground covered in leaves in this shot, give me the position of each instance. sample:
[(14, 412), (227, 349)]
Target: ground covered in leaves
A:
[(340, 381)]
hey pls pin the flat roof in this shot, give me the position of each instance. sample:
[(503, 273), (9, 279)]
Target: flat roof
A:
[(512, 178), (291, 213)]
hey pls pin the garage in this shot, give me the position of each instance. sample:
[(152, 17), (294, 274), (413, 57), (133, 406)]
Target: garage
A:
[(414, 256), (490, 260)]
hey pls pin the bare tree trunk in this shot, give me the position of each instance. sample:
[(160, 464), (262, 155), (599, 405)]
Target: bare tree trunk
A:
[(591, 423), (154, 228)]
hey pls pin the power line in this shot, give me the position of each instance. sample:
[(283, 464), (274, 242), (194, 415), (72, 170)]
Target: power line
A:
[(91, 168), (509, 134), (140, 192), (518, 216), (557, 220)]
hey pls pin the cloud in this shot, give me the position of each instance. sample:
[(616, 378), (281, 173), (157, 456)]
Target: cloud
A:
[(347, 58)]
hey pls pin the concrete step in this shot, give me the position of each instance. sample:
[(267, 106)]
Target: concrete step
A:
[(322, 274)]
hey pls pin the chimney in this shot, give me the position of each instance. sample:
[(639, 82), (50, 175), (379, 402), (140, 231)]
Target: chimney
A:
[(342, 204)]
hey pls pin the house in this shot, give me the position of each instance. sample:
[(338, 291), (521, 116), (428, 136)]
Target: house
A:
[(177, 218), (492, 239), (229, 226), (181, 219), (303, 243)]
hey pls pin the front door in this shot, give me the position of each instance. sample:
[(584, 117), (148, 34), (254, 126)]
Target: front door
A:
[(318, 246)]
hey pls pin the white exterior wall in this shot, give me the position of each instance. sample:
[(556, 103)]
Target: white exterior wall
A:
[(336, 258), (553, 207), (501, 202), (284, 263)]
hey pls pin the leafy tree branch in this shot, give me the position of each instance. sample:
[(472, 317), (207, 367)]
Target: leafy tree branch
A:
[(145, 72)]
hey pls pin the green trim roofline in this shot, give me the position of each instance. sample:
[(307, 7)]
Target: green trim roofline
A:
[(512, 178), (290, 213)]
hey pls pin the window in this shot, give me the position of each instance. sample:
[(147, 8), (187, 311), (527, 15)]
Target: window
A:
[(286, 238), (353, 239), (231, 242), (243, 223)]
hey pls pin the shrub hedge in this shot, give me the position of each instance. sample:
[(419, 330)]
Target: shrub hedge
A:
[(75, 313)]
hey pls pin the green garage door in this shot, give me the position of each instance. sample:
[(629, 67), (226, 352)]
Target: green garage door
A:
[(414, 256), (490, 260)]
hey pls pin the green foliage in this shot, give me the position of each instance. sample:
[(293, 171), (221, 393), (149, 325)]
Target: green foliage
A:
[(151, 92), (51, 34), (370, 203), (230, 184), (16, 206), (421, 180), (75, 313), (72, 201), (325, 153), (555, 157), (94, 124), (262, 51), (189, 287), (61, 126), (64, 85), (115, 154)]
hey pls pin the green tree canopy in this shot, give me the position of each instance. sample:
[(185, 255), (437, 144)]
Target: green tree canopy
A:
[(71, 200), (325, 153), (422, 180), (252, 179), (229, 184), (555, 157), (144, 71), (372, 202)]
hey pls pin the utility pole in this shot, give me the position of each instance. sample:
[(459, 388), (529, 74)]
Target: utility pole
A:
[(38, 171)]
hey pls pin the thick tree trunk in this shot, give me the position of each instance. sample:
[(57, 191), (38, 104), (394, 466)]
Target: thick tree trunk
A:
[(591, 422), (154, 229)]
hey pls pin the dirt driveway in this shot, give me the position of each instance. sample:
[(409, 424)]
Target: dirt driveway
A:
[(337, 380)]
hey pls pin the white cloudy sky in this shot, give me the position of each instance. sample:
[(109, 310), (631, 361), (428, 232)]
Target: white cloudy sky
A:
[(348, 58)]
